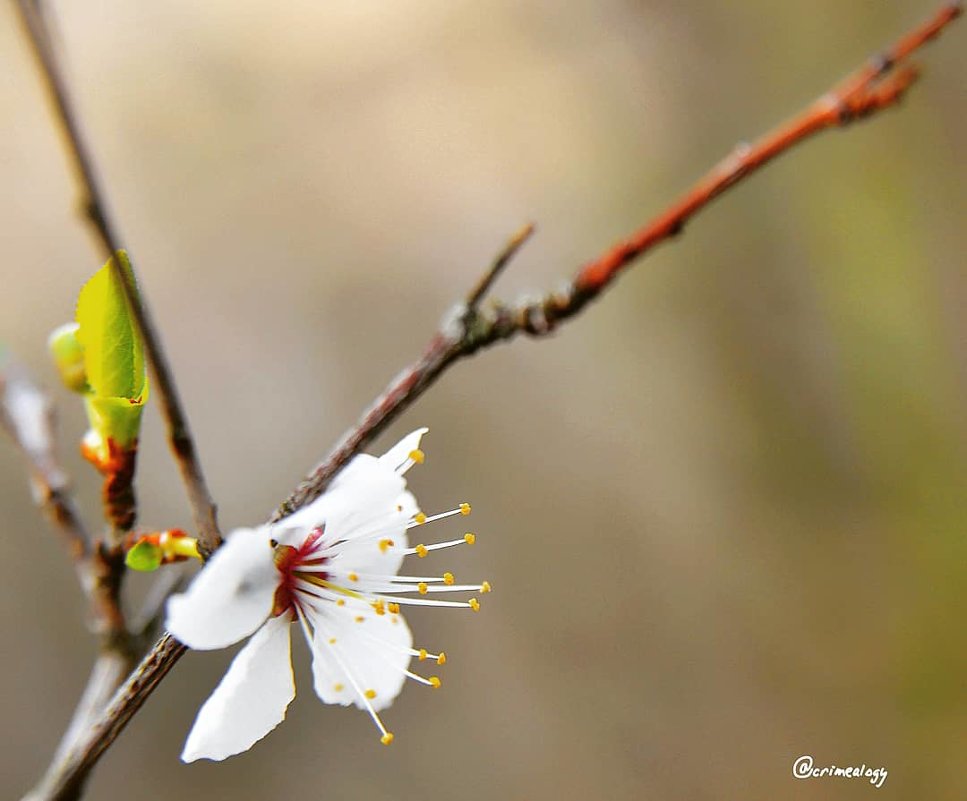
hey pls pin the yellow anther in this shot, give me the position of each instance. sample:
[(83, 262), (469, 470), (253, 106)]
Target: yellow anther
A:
[(340, 602), (385, 545), (417, 456), (380, 607), (370, 694), (338, 688), (474, 604), (360, 618), (441, 659), (353, 577), (421, 551), (387, 738), (419, 518), (422, 588), (394, 608), (435, 682), (485, 587), (448, 578), (470, 538), (332, 640), (464, 508), (422, 654)]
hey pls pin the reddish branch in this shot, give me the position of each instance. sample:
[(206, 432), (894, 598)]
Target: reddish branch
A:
[(875, 86)]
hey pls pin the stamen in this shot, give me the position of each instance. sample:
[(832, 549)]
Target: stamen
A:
[(448, 578), (422, 550), (427, 602), (485, 586), (423, 588), (474, 604), (420, 519)]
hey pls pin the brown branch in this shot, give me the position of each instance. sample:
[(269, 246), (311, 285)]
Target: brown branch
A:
[(467, 330), (94, 203), (873, 87), (67, 776)]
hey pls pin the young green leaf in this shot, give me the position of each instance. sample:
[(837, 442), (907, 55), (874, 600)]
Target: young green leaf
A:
[(113, 352)]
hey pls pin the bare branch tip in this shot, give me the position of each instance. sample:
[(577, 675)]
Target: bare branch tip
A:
[(509, 250)]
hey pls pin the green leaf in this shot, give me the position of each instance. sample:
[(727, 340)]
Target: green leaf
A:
[(144, 556), (113, 352)]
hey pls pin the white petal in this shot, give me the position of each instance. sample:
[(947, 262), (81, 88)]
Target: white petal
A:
[(374, 652), (365, 555), (232, 595), (399, 454), (362, 503), (251, 699)]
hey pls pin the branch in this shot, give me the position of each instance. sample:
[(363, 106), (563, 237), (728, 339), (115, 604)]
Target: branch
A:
[(467, 330), (94, 204), (66, 777), (877, 85)]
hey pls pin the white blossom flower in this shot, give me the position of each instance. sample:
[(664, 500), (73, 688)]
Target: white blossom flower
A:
[(332, 566)]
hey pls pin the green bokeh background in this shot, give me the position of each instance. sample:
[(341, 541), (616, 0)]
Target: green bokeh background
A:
[(723, 511)]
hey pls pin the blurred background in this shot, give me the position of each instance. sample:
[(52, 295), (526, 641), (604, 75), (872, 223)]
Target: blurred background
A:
[(722, 510)]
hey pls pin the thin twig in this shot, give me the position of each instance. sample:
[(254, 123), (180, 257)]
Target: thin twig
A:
[(514, 244), (866, 91), (27, 416), (462, 335), (95, 206)]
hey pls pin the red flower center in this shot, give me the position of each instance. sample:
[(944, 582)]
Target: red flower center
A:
[(289, 560)]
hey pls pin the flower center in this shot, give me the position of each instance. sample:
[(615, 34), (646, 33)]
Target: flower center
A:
[(288, 559)]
